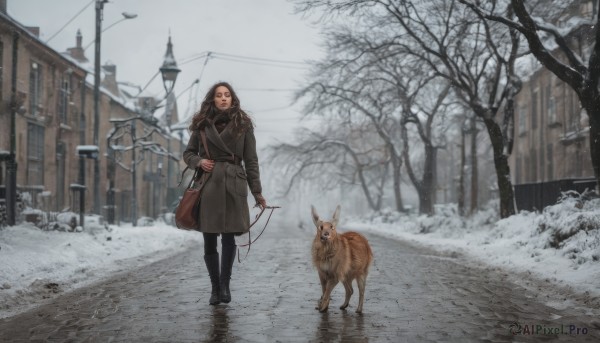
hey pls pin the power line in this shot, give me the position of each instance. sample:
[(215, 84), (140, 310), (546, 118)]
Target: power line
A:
[(191, 99), (194, 57), (247, 59), (148, 84), (250, 61), (267, 89), (185, 90), (70, 20), (273, 109), (261, 59)]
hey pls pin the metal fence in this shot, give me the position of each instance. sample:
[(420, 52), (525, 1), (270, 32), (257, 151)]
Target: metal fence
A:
[(536, 196)]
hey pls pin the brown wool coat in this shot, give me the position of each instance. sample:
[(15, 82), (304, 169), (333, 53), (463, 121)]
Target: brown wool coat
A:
[(224, 202)]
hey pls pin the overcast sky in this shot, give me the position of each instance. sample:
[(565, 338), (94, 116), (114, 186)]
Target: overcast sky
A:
[(258, 28)]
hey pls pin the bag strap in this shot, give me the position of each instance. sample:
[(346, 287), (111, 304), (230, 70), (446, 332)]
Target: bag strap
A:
[(203, 137), (182, 174), (193, 178), (205, 145), (205, 176)]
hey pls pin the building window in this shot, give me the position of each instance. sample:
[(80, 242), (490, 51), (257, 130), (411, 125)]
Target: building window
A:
[(533, 166), (35, 88), (64, 98), (35, 154), (587, 9), (578, 167), (518, 171), (550, 159), (552, 111), (551, 105), (534, 98), (522, 120), (572, 113), (61, 175), (1, 69)]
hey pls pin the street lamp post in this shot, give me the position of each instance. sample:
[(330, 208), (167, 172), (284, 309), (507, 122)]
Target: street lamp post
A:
[(82, 126), (96, 189), (169, 72), (11, 165), (133, 177), (97, 46)]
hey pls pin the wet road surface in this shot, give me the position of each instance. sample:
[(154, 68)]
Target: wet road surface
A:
[(413, 294)]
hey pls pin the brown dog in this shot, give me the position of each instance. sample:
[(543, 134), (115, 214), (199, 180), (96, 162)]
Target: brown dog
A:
[(340, 257)]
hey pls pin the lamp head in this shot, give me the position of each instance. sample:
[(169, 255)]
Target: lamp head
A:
[(129, 15), (169, 70)]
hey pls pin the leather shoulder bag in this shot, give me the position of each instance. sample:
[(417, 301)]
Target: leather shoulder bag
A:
[(187, 214)]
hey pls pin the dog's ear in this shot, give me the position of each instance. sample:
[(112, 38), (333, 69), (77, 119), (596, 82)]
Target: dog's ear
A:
[(336, 216), (315, 216)]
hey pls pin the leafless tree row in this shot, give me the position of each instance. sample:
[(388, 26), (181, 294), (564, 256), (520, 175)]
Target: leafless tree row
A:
[(400, 74)]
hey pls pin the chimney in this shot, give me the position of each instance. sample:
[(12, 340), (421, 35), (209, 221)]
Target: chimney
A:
[(78, 53), (110, 70), (79, 38), (110, 78), (3, 6)]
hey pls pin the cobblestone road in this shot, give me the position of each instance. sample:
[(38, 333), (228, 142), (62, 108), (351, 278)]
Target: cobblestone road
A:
[(413, 294)]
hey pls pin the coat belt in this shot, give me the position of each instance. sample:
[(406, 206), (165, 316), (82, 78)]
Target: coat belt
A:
[(230, 159)]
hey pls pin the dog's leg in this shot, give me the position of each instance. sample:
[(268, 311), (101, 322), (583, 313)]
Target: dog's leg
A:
[(348, 286), (326, 296), (323, 279), (361, 281)]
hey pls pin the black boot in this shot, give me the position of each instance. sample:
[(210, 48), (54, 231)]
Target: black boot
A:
[(212, 264), (227, 259)]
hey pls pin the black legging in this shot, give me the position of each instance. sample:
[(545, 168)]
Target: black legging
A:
[(210, 241)]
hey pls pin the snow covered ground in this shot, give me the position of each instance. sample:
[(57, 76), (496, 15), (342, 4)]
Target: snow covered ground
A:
[(561, 246), (37, 264)]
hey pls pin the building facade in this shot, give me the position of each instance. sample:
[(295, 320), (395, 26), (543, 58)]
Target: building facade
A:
[(551, 152), (53, 110)]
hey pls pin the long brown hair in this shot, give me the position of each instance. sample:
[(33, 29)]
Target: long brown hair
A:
[(208, 110)]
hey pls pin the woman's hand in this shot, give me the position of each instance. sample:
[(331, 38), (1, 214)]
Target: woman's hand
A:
[(206, 165), (260, 201)]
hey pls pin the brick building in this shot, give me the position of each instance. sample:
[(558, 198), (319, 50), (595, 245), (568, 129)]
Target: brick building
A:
[(551, 132), (54, 115)]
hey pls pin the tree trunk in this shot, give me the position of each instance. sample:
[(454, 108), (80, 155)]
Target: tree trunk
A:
[(425, 185), (434, 179), (396, 163), (474, 168), (461, 178), (592, 106), (365, 189), (427, 189), (505, 189)]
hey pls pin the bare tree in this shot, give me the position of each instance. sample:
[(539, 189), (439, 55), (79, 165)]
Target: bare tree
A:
[(361, 104), (352, 84), (474, 165), (470, 53), (461, 177), (422, 117), (567, 61), (344, 156)]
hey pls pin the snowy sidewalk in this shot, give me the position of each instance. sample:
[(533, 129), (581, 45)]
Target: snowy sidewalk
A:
[(36, 265)]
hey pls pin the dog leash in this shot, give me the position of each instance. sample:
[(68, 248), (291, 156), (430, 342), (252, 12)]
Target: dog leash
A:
[(250, 241)]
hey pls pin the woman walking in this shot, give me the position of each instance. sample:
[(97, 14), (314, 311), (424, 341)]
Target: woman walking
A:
[(231, 169)]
